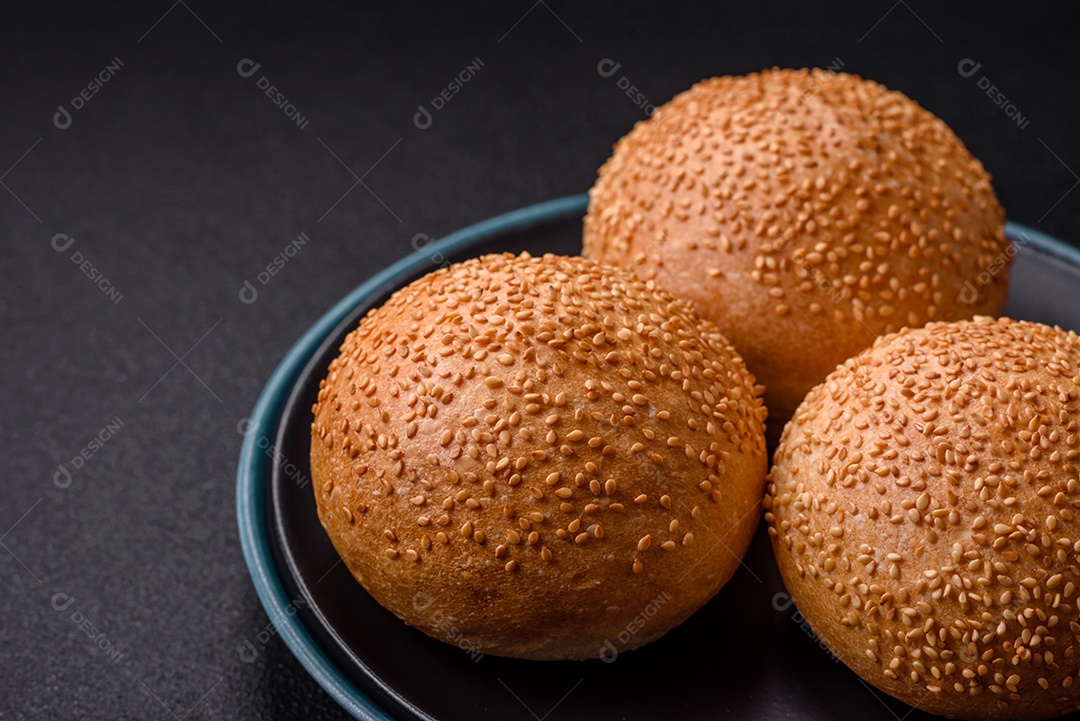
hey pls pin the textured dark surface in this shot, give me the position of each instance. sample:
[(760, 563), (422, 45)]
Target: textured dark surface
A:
[(180, 180)]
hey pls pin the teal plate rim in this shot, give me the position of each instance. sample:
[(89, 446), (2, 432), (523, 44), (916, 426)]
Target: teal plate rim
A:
[(253, 469)]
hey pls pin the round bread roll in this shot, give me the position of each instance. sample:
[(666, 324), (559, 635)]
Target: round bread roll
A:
[(803, 212), (923, 508), (543, 458)]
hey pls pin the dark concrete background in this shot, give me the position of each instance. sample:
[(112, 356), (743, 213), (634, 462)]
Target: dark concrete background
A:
[(179, 180)]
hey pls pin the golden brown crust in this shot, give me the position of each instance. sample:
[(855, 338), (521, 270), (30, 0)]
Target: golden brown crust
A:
[(803, 212), (536, 457), (922, 508)]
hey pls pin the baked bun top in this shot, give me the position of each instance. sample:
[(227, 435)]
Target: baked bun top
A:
[(804, 212), (924, 508), (541, 446)]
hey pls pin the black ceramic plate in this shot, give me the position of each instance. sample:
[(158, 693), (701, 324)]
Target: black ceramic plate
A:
[(746, 654)]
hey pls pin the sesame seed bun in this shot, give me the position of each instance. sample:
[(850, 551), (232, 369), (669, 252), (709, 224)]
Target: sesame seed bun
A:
[(922, 509), (543, 458), (803, 212)]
